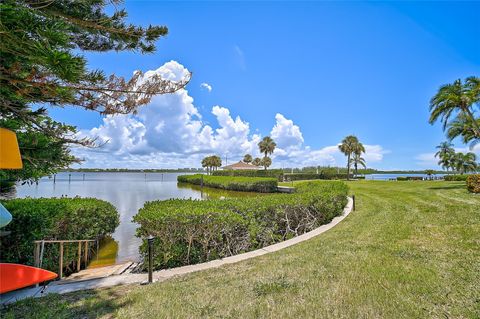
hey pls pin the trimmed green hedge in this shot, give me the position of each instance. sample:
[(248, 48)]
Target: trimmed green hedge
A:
[(277, 173), (193, 231), (54, 218), (456, 178), (410, 178), (233, 183), (473, 183), (311, 176)]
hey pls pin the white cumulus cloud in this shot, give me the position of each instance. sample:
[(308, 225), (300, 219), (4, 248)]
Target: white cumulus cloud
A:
[(206, 86), (170, 132)]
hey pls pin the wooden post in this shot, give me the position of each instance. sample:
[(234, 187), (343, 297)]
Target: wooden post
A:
[(85, 254), (353, 197), (150, 259), (69, 177), (79, 259), (36, 261), (60, 268), (54, 177)]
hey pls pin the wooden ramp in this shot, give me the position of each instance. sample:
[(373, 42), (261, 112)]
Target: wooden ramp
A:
[(100, 272)]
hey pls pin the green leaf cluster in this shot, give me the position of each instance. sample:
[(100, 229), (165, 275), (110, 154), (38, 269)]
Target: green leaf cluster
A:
[(191, 231), (233, 183), (54, 218), (277, 173), (473, 183)]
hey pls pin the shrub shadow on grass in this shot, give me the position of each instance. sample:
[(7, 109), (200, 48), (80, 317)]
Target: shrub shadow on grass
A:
[(84, 304), (448, 187)]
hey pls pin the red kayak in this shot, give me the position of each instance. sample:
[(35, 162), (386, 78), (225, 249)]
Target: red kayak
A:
[(15, 276)]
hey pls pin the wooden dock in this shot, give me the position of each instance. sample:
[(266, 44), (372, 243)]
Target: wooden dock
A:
[(101, 272), (286, 189)]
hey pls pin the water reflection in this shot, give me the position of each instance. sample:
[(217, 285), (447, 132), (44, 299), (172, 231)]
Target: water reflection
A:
[(215, 193)]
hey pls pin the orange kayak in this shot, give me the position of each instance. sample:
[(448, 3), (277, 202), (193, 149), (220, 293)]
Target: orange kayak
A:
[(15, 276)]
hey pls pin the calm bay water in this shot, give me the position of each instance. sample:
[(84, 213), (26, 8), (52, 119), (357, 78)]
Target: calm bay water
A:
[(394, 176), (126, 191)]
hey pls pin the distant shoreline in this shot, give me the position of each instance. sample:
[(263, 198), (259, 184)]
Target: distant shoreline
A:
[(124, 170), (199, 170)]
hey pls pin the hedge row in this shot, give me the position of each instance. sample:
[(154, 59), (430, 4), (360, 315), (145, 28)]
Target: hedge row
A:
[(193, 231), (281, 176), (409, 178), (456, 178), (276, 173), (53, 218), (473, 183), (233, 183), (310, 176)]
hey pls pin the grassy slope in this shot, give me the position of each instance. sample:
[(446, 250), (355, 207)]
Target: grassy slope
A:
[(411, 250)]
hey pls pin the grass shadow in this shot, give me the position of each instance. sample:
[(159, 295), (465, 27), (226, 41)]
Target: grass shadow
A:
[(101, 303), (448, 187)]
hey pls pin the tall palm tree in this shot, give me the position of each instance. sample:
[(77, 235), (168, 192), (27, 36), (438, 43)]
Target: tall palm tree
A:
[(459, 97), (465, 163), (357, 160), (349, 146), (445, 154), (267, 146)]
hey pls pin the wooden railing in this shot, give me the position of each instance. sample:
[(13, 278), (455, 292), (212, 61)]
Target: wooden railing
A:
[(40, 248)]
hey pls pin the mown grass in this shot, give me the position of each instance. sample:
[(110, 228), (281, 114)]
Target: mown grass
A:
[(410, 250)]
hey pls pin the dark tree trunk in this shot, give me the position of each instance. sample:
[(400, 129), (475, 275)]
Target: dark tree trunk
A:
[(348, 167)]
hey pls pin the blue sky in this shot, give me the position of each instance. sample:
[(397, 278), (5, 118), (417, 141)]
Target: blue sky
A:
[(329, 69)]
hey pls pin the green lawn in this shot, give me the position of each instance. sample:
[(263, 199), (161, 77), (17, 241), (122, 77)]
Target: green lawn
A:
[(411, 250)]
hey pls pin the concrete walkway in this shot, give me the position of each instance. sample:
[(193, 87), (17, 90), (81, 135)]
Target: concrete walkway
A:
[(61, 287)]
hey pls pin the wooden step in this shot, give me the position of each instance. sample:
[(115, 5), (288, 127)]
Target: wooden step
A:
[(98, 272)]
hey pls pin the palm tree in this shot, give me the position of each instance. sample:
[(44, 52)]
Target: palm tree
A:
[(247, 158), (457, 98), (211, 163), (206, 163), (356, 160), (465, 163), (216, 162), (266, 162), (267, 146), (445, 154), (429, 173), (462, 127), (257, 161), (349, 146)]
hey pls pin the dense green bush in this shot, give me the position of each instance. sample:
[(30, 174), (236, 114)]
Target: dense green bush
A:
[(409, 178), (277, 173), (456, 178), (233, 183), (53, 218), (310, 176), (473, 183), (193, 231)]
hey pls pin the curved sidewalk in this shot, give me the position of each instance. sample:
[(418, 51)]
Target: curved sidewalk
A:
[(161, 275)]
